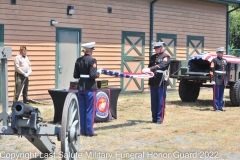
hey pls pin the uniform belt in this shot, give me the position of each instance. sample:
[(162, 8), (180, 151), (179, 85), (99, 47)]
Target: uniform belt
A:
[(19, 74), (84, 76), (220, 72), (160, 71)]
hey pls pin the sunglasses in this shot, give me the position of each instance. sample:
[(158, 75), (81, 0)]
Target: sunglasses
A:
[(220, 52)]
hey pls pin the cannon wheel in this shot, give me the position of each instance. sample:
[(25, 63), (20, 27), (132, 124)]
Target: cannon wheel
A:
[(70, 129)]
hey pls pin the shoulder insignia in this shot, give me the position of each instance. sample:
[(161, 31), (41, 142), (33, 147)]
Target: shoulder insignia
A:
[(164, 59), (212, 65), (94, 65)]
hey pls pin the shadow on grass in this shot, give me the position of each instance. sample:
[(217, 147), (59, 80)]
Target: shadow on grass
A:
[(204, 109), (191, 104), (201, 105), (199, 102), (130, 123)]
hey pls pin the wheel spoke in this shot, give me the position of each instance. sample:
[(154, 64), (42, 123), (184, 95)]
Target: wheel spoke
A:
[(74, 147), (74, 123), (70, 110), (72, 117)]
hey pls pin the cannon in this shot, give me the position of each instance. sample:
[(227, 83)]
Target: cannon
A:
[(26, 120)]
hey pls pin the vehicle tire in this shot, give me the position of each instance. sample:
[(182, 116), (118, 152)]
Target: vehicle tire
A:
[(234, 93), (188, 91)]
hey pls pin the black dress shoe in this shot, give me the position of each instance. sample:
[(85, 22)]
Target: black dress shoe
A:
[(92, 135), (154, 121)]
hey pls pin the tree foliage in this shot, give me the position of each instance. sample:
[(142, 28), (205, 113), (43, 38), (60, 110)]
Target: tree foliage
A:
[(234, 30)]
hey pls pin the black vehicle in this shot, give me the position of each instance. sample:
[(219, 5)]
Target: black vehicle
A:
[(196, 75)]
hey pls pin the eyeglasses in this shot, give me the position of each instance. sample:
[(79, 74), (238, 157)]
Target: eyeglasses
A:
[(220, 52)]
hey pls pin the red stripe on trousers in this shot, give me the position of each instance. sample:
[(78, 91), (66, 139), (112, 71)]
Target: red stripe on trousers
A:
[(163, 105), (94, 108)]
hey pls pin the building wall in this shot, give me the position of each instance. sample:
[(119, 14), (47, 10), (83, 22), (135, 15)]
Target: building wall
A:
[(191, 17), (28, 23)]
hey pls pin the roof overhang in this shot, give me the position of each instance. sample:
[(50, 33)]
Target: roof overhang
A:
[(227, 2)]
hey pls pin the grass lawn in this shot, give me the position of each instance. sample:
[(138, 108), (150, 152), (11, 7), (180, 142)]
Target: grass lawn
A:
[(189, 131)]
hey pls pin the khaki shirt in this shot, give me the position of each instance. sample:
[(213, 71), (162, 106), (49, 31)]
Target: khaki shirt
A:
[(22, 64)]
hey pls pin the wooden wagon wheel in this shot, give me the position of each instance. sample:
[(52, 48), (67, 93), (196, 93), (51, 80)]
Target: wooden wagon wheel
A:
[(70, 128)]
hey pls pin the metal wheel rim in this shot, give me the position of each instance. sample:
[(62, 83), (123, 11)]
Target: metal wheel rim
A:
[(70, 128)]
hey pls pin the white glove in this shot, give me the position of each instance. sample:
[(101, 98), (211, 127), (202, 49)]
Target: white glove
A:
[(99, 70), (144, 70), (26, 75), (213, 82), (29, 72)]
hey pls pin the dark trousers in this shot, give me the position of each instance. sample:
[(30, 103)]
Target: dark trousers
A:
[(86, 102), (19, 78), (218, 93), (158, 97)]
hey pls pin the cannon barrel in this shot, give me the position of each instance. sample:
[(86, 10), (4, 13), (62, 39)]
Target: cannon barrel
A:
[(21, 109)]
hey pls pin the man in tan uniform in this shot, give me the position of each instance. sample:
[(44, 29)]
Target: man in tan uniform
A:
[(22, 71)]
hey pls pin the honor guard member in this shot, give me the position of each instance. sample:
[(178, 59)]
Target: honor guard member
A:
[(86, 70), (158, 64), (218, 77), (22, 71)]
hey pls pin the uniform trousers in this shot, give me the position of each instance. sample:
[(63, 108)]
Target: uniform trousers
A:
[(218, 93), (19, 78), (158, 97), (86, 100)]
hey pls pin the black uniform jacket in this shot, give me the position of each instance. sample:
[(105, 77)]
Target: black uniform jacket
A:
[(218, 64), (86, 65), (161, 61)]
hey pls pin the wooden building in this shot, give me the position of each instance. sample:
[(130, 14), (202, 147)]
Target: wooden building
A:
[(123, 32)]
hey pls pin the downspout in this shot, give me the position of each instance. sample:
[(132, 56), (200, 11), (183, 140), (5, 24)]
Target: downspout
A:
[(228, 33), (151, 27), (228, 29)]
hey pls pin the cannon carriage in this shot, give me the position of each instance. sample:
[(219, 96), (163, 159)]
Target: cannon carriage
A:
[(26, 120)]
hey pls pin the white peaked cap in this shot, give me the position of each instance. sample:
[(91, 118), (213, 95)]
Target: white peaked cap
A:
[(220, 49), (89, 45), (157, 44)]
